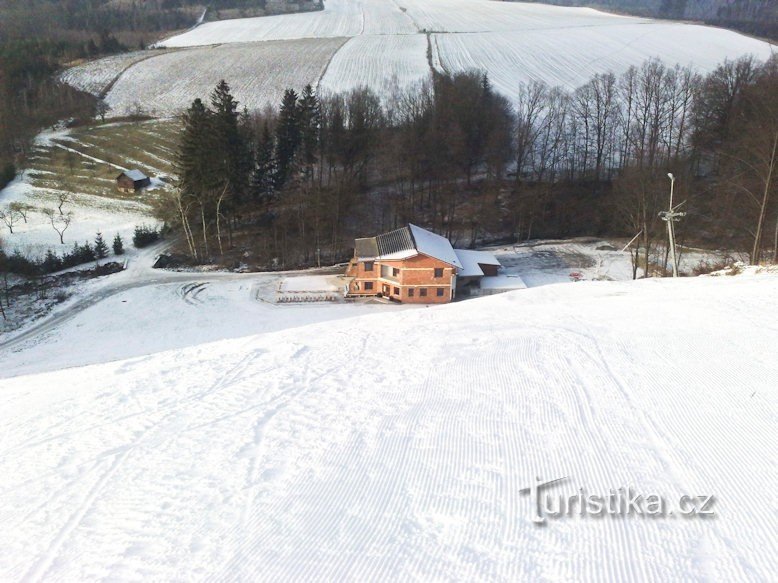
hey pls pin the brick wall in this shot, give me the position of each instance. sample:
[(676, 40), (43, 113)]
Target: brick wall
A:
[(416, 277)]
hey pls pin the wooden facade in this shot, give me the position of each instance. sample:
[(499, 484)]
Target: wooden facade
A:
[(132, 181)]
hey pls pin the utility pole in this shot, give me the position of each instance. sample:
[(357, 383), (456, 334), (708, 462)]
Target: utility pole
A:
[(671, 216)]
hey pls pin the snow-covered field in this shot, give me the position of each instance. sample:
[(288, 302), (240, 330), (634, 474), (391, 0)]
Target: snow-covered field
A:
[(340, 18), (89, 215), (558, 59), (95, 76), (395, 445), (393, 44), (386, 63), (258, 75)]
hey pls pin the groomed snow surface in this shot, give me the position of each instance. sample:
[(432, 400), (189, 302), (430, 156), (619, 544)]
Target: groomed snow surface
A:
[(394, 445), (392, 45)]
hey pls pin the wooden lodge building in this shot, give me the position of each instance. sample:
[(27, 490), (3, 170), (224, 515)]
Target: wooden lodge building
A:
[(131, 181), (413, 265)]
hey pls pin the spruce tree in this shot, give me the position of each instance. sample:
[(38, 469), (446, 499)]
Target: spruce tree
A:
[(100, 248), (287, 137), (309, 123), (118, 245), (264, 177), (86, 252), (51, 262), (194, 160), (230, 147)]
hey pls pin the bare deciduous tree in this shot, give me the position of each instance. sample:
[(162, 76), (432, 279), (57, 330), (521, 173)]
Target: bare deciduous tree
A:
[(59, 222), (10, 217)]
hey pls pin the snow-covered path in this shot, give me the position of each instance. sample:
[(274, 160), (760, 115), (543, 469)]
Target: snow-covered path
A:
[(395, 446)]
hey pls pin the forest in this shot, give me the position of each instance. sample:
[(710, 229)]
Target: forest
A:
[(291, 186)]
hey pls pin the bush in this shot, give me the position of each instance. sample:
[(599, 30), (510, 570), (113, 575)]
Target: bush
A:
[(51, 262), (19, 264), (80, 254), (144, 236)]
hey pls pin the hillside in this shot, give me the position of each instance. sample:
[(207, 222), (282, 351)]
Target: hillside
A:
[(393, 46), (396, 445)]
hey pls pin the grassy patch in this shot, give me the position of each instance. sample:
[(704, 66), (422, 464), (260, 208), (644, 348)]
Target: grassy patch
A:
[(89, 158)]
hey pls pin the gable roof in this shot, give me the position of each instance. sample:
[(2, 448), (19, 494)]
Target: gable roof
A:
[(472, 261), (134, 175), (404, 243), (434, 245)]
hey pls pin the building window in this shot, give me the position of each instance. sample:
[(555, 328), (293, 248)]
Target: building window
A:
[(410, 292), (368, 266), (438, 272), (368, 286), (397, 291), (440, 292), (423, 292), (395, 272)]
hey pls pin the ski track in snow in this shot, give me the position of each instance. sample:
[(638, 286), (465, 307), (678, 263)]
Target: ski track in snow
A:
[(394, 445), (385, 49)]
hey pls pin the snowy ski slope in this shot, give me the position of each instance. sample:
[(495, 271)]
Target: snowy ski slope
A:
[(395, 445), (396, 43)]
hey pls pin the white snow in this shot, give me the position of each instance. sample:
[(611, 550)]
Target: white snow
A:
[(502, 282), (310, 283), (395, 445)]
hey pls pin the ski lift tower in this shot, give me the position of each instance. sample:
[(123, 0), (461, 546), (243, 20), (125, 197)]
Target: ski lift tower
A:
[(672, 216)]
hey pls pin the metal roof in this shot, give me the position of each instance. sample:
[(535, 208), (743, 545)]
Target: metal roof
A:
[(135, 175), (472, 261), (404, 243)]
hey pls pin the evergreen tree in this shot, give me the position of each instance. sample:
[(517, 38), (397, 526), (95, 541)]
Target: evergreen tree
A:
[(118, 245), (194, 157), (51, 262), (287, 137), (230, 147), (100, 248), (309, 123), (86, 253), (264, 176)]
